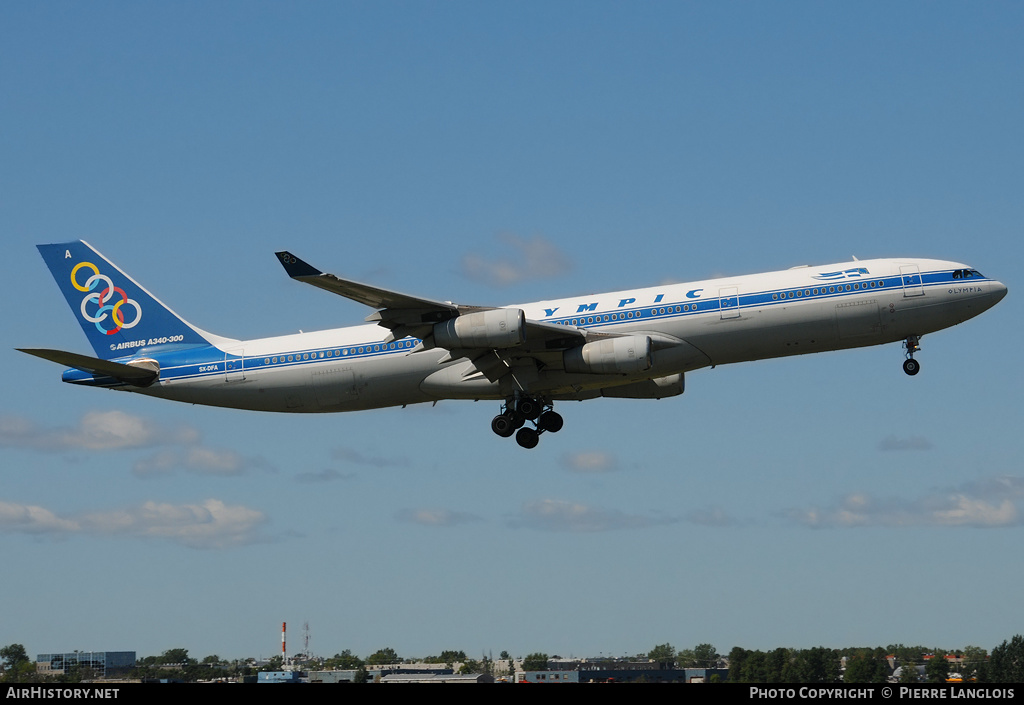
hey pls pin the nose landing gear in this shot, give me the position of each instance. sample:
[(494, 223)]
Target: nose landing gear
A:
[(912, 345), (515, 414)]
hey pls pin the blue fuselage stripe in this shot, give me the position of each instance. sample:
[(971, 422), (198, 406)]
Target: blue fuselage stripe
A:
[(210, 361)]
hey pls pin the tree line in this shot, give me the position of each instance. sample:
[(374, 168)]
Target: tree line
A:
[(782, 665), (871, 665)]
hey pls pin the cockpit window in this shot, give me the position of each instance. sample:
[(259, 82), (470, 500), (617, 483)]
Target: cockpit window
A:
[(967, 274)]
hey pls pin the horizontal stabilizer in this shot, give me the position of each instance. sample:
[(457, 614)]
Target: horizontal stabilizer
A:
[(141, 375)]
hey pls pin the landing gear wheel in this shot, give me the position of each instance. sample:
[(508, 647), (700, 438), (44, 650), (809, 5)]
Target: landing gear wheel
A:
[(550, 421), (503, 425), (912, 345), (529, 408), (527, 417), (527, 438), (517, 419)]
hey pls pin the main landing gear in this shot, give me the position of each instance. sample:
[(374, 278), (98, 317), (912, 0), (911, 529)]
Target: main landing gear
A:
[(912, 345), (516, 412)]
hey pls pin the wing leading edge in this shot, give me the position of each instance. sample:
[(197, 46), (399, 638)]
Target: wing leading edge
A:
[(404, 315)]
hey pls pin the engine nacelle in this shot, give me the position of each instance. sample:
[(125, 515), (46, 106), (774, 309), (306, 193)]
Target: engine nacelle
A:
[(500, 328), (623, 356)]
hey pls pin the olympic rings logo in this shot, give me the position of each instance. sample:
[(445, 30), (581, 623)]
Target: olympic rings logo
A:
[(103, 300)]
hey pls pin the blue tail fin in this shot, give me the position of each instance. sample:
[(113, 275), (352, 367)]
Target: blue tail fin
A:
[(118, 316)]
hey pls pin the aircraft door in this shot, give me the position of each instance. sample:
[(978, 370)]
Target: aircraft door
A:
[(912, 284), (234, 365), (729, 302)]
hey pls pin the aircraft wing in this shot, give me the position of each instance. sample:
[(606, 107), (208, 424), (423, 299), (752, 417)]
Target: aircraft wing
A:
[(371, 296), (406, 315)]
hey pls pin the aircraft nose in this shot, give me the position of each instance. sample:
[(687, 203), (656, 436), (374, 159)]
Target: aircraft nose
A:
[(998, 291)]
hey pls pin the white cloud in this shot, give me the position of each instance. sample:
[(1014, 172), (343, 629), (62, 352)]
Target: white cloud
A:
[(102, 431), (162, 463), (987, 503), (534, 258), (31, 519), (559, 515), (436, 517), (96, 431), (711, 516), (326, 475), (1000, 486), (198, 460), (350, 455), (210, 524), (590, 462), (975, 512)]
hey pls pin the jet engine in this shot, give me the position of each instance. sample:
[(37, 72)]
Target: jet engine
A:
[(625, 356), (498, 328)]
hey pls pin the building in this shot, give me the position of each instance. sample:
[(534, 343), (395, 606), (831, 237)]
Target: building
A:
[(618, 671), (280, 677), (437, 678), (103, 664)]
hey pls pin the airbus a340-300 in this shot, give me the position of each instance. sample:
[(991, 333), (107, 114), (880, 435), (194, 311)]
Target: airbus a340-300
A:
[(630, 344)]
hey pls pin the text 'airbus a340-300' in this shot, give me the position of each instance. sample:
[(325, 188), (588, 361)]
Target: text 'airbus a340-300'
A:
[(629, 344)]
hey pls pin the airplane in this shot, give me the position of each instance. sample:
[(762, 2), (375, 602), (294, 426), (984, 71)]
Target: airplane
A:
[(635, 344)]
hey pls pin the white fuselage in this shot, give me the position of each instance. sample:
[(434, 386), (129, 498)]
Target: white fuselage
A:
[(711, 322)]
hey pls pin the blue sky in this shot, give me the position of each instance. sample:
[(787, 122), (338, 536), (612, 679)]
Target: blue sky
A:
[(491, 154)]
